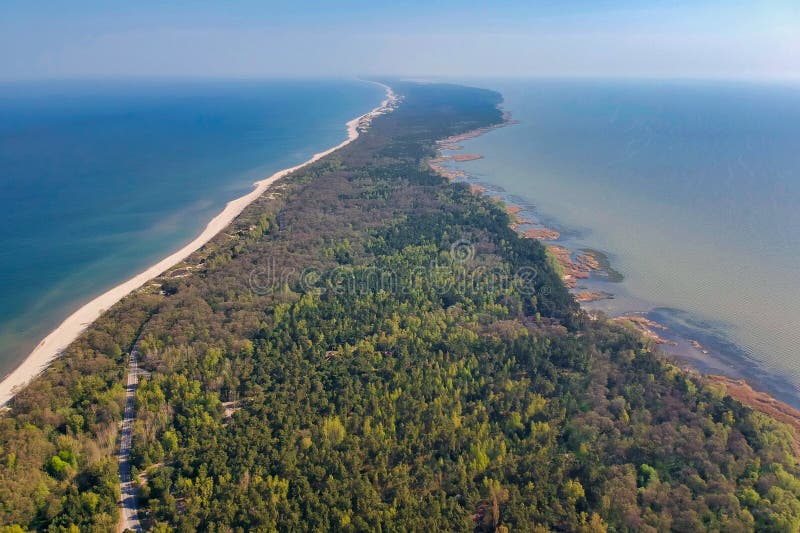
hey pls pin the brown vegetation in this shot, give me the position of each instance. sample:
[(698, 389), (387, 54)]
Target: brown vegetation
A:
[(646, 326), (586, 296), (542, 234)]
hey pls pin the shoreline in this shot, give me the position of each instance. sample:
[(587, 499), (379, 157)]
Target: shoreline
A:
[(71, 328), (592, 265)]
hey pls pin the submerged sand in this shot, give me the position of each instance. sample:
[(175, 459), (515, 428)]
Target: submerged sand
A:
[(69, 330)]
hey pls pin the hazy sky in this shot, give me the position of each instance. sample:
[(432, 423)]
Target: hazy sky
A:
[(699, 38)]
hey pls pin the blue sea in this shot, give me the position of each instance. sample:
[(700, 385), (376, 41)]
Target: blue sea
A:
[(693, 191), (100, 179)]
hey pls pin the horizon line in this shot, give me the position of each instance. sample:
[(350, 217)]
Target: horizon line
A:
[(449, 78)]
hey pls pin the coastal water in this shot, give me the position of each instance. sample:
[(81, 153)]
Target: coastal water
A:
[(693, 191), (99, 180)]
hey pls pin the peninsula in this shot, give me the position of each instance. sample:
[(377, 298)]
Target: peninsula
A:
[(370, 346)]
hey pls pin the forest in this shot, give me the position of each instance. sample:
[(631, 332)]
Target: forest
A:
[(371, 347)]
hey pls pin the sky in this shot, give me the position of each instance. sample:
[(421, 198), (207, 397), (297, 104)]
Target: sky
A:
[(741, 39)]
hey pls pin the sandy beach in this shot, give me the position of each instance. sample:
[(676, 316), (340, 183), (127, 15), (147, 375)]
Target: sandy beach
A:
[(61, 337)]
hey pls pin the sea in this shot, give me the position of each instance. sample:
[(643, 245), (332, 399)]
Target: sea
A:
[(692, 191), (100, 179)]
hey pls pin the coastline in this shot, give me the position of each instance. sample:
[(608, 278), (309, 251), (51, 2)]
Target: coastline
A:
[(579, 265), (71, 328)]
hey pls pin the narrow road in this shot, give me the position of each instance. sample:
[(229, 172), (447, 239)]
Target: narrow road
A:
[(128, 510)]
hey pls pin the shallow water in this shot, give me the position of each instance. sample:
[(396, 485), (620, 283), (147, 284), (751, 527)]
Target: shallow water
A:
[(692, 189)]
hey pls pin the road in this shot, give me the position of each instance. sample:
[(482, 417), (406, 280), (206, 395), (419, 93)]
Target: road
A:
[(129, 518)]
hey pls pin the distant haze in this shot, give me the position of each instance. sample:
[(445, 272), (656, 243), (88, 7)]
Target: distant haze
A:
[(727, 39)]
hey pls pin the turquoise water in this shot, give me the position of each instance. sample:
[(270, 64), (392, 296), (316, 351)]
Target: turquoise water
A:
[(693, 190), (98, 180)]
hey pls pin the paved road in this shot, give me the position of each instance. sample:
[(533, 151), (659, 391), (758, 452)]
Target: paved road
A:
[(128, 510)]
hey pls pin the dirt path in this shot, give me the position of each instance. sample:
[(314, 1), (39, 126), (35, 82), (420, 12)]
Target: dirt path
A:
[(129, 519)]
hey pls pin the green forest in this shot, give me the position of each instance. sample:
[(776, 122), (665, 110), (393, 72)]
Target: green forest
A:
[(370, 347)]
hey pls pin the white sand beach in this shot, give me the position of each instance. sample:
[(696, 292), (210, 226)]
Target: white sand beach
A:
[(61, 337)]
